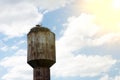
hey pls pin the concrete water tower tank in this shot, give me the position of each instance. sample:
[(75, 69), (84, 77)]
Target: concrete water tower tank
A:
[(41, 52)]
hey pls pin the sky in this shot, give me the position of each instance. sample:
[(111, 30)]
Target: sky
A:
[(87, 38)]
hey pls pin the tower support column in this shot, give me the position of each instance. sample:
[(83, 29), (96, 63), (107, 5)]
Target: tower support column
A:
[(41, 73)]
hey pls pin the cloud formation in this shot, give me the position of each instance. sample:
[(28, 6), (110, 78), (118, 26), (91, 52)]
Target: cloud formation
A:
[(75, 36), (106, 77), (17, 17), (17, 67), (106, 13), (81, 32)]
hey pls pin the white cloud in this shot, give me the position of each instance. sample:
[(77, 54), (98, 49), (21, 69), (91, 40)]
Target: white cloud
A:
[(107, 77), (3, 46), (42, 4), (82, 65), (117, 78), (46, 6), (105, 11), (17, 67), (80, 32), (17, 17), (14, 47), (108, 39), (21, 42)]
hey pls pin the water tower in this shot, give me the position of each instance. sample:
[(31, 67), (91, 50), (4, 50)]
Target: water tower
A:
[(41, 52)]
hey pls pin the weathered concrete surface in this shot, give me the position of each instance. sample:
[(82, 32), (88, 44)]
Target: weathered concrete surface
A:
[(41, 51), (41, 73)]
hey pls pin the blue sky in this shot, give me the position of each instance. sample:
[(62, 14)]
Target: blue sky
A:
[(87, 38)]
